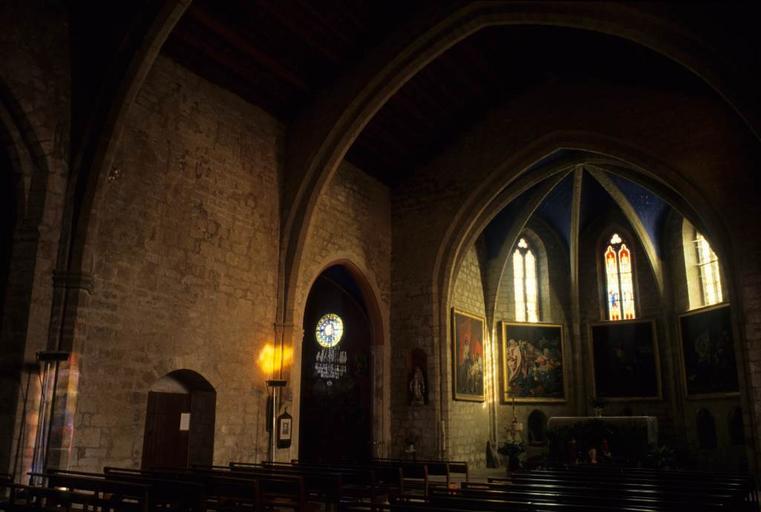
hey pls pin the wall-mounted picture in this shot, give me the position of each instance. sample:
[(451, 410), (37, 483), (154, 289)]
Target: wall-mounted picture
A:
[(533, 368), (625, 360), (708, 353), (468, 355)]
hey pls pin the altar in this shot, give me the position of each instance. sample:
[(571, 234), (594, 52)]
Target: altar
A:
[(620, 439)]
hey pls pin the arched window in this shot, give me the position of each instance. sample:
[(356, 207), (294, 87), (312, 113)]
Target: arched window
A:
[(701, 268), (619, 279), (525, 282), (708, 268)]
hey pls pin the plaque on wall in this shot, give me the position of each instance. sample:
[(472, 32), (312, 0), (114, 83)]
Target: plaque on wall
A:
[(284, 429), (468, 356), (625, 360), (708, 353), (533, 362)]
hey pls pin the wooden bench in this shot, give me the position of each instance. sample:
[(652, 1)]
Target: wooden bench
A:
[(166, 493), (590, 496), (221, 493), (93, 491), (654, 490), (742, 487), (284, 491)]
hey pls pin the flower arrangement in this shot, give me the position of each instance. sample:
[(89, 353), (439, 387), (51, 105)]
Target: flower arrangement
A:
[(513, 451)]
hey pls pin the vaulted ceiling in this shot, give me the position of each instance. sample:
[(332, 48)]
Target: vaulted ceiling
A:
[(281, 55)]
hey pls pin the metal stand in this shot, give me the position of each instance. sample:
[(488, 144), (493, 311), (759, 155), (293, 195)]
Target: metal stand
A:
[(272, 386)]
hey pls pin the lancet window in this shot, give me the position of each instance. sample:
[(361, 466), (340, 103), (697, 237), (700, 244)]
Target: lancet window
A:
[(619, 279), (526, 283)]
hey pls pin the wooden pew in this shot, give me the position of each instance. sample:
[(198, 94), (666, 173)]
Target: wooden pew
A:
[(93, 491), (221, 493), (166, 493), (283, 491), (670, 491), (590, 496), (358, 483), (743, 488)]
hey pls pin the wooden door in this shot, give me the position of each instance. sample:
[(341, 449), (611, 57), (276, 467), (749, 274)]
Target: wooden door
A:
[(165, 443), (201, 444)]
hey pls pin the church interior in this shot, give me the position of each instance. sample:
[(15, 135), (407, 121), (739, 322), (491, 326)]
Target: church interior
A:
[(269, 241)]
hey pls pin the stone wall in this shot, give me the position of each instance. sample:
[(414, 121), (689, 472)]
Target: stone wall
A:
[(469, 422), (184, 257)]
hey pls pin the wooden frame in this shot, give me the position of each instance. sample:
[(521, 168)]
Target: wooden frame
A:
[(527, 359), (625, 326), (468, 363), (713, 338)]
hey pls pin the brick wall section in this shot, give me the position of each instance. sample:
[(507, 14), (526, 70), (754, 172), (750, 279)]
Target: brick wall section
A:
[(469, 421), (35, 115), (351, 222), (184, 256)]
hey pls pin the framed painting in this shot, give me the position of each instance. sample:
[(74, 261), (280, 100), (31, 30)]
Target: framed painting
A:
[(468, 356), (625, 360), (533, 362), (708, 353)]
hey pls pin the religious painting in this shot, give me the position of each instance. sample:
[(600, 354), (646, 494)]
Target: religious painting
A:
[(533, 368), (708, 353), (468, 356), (625, 360)]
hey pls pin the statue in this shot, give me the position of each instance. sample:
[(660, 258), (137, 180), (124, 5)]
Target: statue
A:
[(417, 387)]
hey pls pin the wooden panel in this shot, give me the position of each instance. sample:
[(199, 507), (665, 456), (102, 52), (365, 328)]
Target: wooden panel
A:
[(202, 416), (164, 444)]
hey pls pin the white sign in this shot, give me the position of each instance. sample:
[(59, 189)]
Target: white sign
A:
[(184, 421)]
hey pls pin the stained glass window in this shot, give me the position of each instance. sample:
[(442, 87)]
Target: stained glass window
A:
[(708, 266), (526, 283), (619, 279), (330, 329)]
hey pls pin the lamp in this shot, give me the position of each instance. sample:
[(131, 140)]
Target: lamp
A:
[(271, 360)]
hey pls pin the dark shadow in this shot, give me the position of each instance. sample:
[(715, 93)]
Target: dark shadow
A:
[(736, 427), (537, 428), (706, 430)]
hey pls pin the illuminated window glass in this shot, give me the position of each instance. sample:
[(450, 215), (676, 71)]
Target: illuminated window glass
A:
[(525, 283), (330, 329), (708, 267), (619, 279)]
